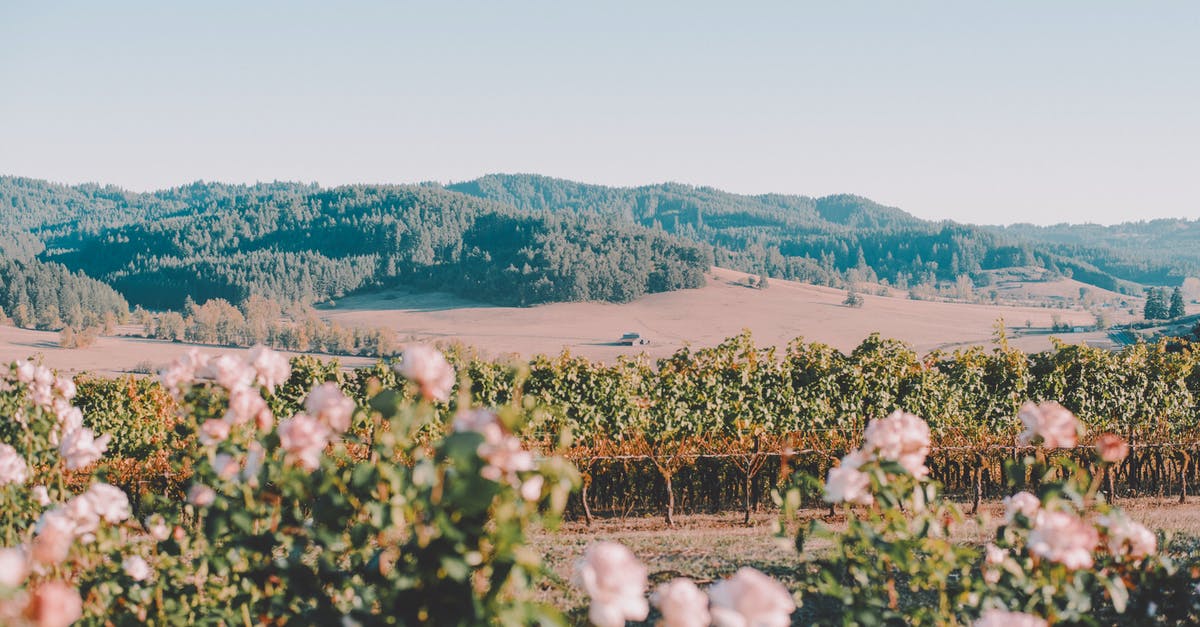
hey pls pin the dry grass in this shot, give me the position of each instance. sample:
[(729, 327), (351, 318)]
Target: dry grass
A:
[(709, 547)]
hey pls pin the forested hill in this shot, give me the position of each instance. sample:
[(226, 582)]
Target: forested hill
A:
[(822, 239), (301, 243), (1142, 250), (506, 239)]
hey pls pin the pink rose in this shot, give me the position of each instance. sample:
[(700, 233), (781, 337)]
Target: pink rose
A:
[(1063, 538), (846, 483), (327, 403), (1022, 503), (428, 368), (750, 598), (271, 368), (54, 604), (901, 437), (1049, 422), (214, 431), (201, 495), (80, 447), (12, 466), (304, 438), (616, 583), (682, 604)]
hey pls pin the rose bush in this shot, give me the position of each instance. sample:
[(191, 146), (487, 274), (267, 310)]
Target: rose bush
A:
[(300, 508)]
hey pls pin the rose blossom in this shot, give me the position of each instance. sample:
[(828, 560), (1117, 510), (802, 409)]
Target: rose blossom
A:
[(229, 372), (182, 372), (1112, 448), (136, 568), (225, 466), (846, 483), (428, 368), (255, 455), (81, 447), (1054, 424), (55, 534), (750, 599), (54, 604), (304, 438), (1022, 503), (108, 502), (327, 403), (14, 567), (1002, 618), (994, 556), (502, 451), (271, 368), (616, 583), (201, 495), (83, 516), (901, 437), (1063, 538), (682, 604), (12, 466), (245, 404), (531, 488), (41, 495), (214, 431), (157, 527), (1127, 538)]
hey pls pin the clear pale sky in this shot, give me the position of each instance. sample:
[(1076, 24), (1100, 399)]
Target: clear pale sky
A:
[(991, 112)]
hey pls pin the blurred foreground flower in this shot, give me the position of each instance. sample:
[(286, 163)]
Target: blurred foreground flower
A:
[(616, 583)]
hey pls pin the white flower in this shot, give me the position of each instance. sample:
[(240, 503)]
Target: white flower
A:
[(182, 372), (83, 516), (682, 604), (993, 558), (229, 372), (245, 404), (54, 604), (901, 437), (136, 568), (201, 495), (751, 599), (41, 495), (304, 438), (55, 533), (616, 583), (1063, 538), (1022, 503), (25, 371), (108, 502), (271, 368), (255, 455), (14, 567), (1054, 424), (501, 450), (81, 447), (428, 368), (1127, 538), (327, 403), (531, 489), (225, 466), (846, 483), (12, 466), (65, 387), (1001, 618), (214, 431), (157, 527)]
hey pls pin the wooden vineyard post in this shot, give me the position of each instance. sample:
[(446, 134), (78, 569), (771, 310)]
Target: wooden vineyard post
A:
[(978, 476), (1183, 476)]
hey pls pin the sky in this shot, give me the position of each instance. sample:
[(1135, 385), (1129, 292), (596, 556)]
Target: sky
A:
[(986, 112)]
